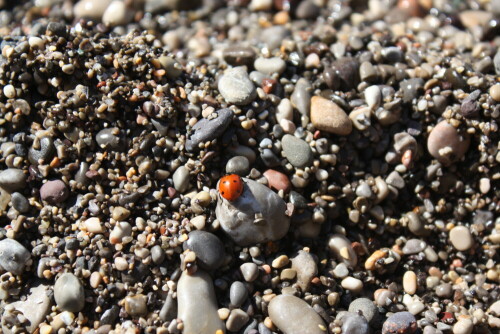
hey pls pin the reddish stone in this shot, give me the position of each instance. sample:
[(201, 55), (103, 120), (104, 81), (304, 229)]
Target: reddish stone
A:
[(277, 180)]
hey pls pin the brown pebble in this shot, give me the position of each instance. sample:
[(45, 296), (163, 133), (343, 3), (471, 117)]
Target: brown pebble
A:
[(277, 180)]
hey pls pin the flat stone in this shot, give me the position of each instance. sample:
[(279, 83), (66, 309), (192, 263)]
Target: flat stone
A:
[(411, 88), (329, 117), (12, 179), (68, 293), (197, 304), (181, 179), (236, 87), (236, 320), (305, 266), (461, 238), (297, 151), (293, 315), (54, 192), (208, 248), (238, 165), (209, 129), (169, 310), (20, 203), (301, 96), (13, 256), (238, 293), (239, 55), (257, 216)]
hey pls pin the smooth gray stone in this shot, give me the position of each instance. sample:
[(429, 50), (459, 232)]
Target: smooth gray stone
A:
[(45, 152), (236, 87), (209, 129), (169, 310), (238, 293), (301, 96), (111, 138), (12, 179), (257, 216), (297, 151), (181, 179), (292, 315), (68, 293), (238, 165), (208, 248), (269, 66), (20, 203), (13, 256), (366, 306), (197, 304), (353, 323)]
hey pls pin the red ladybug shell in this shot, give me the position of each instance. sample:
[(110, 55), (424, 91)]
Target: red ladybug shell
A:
[(231, 187)]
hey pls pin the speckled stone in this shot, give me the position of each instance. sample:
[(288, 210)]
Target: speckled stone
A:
[(68, 293), (297, 151), (236, 87), (329, 117), (400, 323), (446, 144)]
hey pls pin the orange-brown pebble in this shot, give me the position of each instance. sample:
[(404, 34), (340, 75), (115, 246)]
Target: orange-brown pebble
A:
[(377, 255), (277, 180)]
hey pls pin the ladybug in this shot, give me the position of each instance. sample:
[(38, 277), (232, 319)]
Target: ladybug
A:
[(231, 187)]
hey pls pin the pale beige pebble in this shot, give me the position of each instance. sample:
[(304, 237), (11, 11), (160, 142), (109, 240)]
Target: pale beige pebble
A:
[(312, 61), (288, 274), (61, 320), (360, 118), (495, 92), (463, 326), (95, 279), (198, 222), (328, 116), (93, 225), (117, 13), (46, 329), (121, 230), (472, 18), (288, 126), (259, 5), (9, 91), (120, 213), (484, 185), (280, 261), (284, 110), (410, 282), (223, 313), (121, 263), (36, 42), (202, 198), (461, 238), (494, 308), (93, 9), (352, 284)]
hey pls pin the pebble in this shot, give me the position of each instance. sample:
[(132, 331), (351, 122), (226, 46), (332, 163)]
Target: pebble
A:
[(208, 248), (461, 238), (136, 305), (236, 320), (239, 55), (342, 248), (238, 293), (269, 66), (117, 13), (34, 307), (209, 129), (352, 284), (329, 117), (354, 323), (348, 71), (238, 165), (157, 254), (120, 231), (92, 9), (280, 262), (410, 88), (292, 315), (297, 151), (19, 202), (301, 96), (400, 323), (373, 96), (410, 282), (12, 179), (197, 304), (68, 293), (257, 216), (463, 326), (181, 179), (110, 139), (305, 266), (13, 256), (250, 271), (169, 310), (236, 87), (446, 144), (9, 91), (93, 225), (341, 271), (444, 290), (54, 192), (366, 307), (495, 92), (277, 180), (496, 62), (414, 246), (120, 213), (43, 154)]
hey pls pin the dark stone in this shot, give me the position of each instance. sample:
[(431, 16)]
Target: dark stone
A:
[(208, 248), (209, 129)]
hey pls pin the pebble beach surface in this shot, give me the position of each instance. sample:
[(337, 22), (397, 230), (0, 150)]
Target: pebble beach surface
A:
[(361, 137)]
